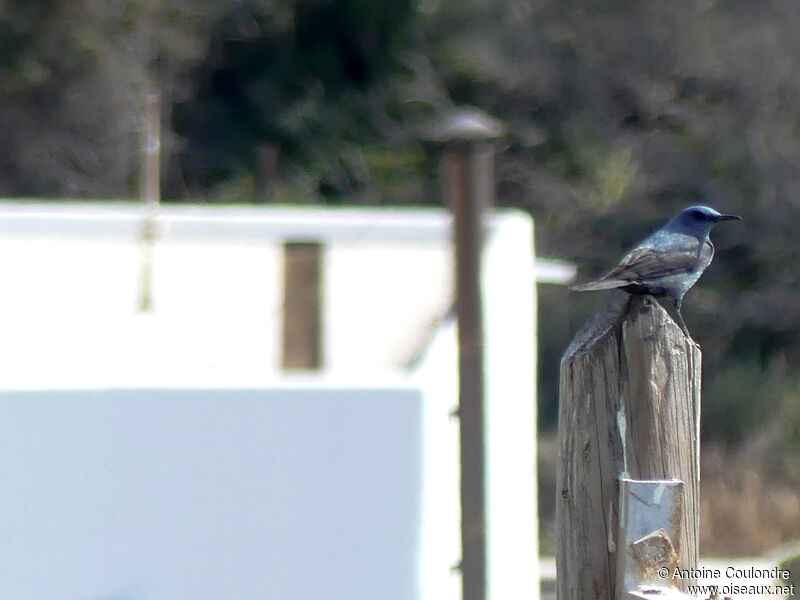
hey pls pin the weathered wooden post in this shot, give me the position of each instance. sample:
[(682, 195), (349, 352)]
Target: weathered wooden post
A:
[(468, 172), (150, 191), (627, 500)]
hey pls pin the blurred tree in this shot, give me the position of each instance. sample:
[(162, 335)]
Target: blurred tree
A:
[(75, 76), (623, 113), (620, 113), (310, 88)]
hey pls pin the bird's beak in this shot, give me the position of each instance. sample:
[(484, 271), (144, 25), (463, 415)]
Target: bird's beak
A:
[(730, 218)]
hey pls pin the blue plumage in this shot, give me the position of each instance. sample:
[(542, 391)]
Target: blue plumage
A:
[(669, 262)]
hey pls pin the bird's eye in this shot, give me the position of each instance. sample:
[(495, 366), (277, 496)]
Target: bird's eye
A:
[(699, 214)]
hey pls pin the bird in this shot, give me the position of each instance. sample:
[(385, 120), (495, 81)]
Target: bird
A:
[(669, 261)]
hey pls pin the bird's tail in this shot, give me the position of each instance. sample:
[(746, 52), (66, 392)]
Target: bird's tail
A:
[(602, 284)]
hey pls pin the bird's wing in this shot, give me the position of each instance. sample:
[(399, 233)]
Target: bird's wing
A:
[(645, 262), (678, 255)]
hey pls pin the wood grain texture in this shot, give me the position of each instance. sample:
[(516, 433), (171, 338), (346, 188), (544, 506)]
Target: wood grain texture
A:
[(629, 405)]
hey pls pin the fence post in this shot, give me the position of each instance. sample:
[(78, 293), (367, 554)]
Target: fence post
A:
[(468, 172), (629, 410), (150, 192)]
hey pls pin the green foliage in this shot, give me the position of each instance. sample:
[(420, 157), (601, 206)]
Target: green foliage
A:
[(743, 396), (619, 114), (313, 88)]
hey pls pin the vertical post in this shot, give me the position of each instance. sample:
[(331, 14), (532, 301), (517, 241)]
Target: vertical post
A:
[(468, 160), (628, 416), (151, 152), (468, 212), (150, 190), (302, 320), (267, 160)]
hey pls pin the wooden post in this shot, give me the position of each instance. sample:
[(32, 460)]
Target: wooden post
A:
[(267, 160), (302, 314), (150, 191), (629, 408), (468, 168)]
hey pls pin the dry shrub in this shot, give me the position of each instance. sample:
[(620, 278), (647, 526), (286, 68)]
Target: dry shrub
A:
[(749, 504), (746, 508)]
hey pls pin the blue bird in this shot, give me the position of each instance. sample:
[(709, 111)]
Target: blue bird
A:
[(668, 262)]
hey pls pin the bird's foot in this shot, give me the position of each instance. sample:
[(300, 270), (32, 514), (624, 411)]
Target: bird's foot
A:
[(683, 325)]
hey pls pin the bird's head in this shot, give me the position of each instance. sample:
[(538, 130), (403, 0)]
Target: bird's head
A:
[(698, 221)]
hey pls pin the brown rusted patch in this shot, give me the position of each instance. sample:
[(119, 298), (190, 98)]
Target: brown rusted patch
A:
[(652, 552)]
